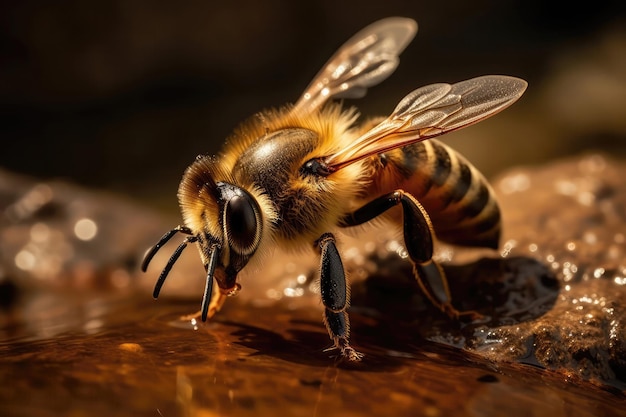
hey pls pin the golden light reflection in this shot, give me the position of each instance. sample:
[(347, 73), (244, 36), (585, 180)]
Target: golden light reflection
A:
[(131, 347), (85, 229), (515, 183), (598, 272), (25, 260), (590, 238), (293, 292), (566, 187), (586, 198), (30, 202), (507, 247)]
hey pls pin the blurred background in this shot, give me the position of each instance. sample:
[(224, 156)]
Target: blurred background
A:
[(122, 96)]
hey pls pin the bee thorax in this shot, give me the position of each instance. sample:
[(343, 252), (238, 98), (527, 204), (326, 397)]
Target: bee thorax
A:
[(271, 162)]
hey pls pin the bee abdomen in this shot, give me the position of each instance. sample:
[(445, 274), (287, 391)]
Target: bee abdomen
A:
[(457, 197)]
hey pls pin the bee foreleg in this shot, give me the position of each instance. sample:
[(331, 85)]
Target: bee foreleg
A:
[(418, 239), (210, 299), (335, 297)]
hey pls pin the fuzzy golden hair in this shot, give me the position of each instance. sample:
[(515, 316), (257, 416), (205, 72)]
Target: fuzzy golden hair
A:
[(323, 203)]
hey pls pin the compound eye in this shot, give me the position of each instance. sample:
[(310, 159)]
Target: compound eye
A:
[(242, 221)]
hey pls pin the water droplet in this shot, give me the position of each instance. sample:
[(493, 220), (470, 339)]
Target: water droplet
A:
[(507, 247)]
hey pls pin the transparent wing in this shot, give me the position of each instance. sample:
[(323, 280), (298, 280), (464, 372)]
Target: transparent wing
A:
[(364, 60), (432, 111)]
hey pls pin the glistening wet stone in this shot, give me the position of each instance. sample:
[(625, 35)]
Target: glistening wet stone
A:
[(555, 295)]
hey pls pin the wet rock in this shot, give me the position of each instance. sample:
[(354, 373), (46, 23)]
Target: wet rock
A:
[(571, 216), (554, 297)]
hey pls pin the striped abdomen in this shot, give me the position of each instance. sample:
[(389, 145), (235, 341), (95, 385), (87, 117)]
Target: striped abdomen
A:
[(457, 197)]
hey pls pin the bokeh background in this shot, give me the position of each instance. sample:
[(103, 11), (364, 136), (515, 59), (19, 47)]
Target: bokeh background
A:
[(123, 95)]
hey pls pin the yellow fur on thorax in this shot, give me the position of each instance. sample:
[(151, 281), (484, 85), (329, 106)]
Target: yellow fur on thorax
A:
[(332, 124), (334, 128)]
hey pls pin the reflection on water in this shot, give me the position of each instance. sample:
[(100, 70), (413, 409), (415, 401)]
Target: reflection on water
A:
[(120, 356)]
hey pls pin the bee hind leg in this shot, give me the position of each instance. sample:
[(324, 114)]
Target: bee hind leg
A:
[(335, 297), (418, 239)]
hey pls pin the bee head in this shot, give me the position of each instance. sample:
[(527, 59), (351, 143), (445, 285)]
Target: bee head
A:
[(222, 217)]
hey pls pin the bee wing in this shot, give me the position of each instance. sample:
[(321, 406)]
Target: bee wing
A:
[(432, 111), (364, 60)]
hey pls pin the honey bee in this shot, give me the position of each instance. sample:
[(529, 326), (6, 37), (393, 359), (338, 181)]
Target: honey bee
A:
[(293, 177)]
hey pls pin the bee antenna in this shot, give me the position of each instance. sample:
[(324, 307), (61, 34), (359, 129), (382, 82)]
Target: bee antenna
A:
[(208, 287), (166, 237), (170, 264)]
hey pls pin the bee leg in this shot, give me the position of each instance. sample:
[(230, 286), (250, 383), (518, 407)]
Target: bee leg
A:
[(212, 301), (335, 297), (418, 239)]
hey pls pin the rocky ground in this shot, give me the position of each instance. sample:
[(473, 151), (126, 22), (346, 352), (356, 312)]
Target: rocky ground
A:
[(78, 323)]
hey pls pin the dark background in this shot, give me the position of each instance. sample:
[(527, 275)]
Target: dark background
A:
[(122, 95)]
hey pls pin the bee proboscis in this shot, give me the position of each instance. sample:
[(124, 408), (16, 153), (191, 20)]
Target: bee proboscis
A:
[(293, 177)]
